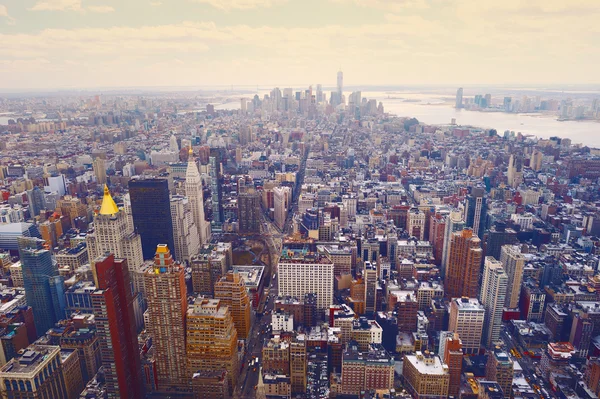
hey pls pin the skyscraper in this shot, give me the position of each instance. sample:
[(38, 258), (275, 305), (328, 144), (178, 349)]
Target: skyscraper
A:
[(193, 191), (515, 170), (280, 198), (232, 292), (99, 166), (340, 85), (453, 358), (36, 200), (111, 234), (498, 236), (185, 233), (464, 263), (167, 306), (370, 276), (492, 296), (476, 211), (459, 98), (115, 324), (466, 319), (212, 339), (500, 368), (214, 162), (249, 212), (454, 222), (151, 210), (513, 262), (44, 287)]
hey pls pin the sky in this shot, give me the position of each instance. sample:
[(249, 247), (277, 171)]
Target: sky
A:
[(69, 44)]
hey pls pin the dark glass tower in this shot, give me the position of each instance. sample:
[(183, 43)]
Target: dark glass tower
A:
[(476, 205), (44, 288), (216, 178), (115, 323), (249, 212), (151, 211)]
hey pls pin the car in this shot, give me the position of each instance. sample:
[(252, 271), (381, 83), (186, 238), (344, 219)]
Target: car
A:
[(255, 387)]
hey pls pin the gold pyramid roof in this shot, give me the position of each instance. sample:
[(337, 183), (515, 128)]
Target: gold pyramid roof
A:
[(108, 204)]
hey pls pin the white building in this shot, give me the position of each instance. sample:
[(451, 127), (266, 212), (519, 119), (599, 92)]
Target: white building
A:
[(281, 321), (525, 220), (110, 234), (467, 316), (492, 296), (193, 191), (513, 262), (302, 273), (281, 200), (185, 233)]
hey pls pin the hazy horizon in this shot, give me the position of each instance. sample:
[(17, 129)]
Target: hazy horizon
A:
[(73, 44)]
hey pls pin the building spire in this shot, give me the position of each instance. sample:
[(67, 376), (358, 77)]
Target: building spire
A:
[(109, 207), (191, 151)]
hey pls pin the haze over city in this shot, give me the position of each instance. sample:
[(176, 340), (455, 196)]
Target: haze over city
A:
[(144, 43)]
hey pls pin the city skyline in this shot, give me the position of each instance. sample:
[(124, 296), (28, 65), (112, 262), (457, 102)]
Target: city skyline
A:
[(102, 43)]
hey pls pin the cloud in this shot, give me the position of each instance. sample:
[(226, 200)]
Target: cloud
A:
[(101, 9), (57, 5), (228, 5), (156, 3), (4, 14)]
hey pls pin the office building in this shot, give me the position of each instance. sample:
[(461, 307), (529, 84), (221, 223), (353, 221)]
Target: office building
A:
[(500, 368), (212, 339), (185, 233), (281, 199), (513, 262), (366, 370), (210, 385), (116, 328), (249, 211), (515, 170), (99, 166), (151, 210), (459, 98), (467, 317), (301, 272), (167, 307), (464, 263), (298, 364), (110, 234), (194, 193), (454, 223), (489, 390), (42, 371), (425, 376), (476, 211), (44, 287), (453, 358), (214, 162), (492, 297), (36, 200), (370, 277), (232, 292), (498, 236)]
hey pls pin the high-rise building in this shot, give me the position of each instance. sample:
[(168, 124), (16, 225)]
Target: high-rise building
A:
[(44, 287), (298, 364), (249, 212), (37, 201), (498, 236), (301, 273), (453, 358), (110, 233), (500, 368), (193, 191), (116, 328), (515, 170), (492, 297), (42, 371), (459, 98), (232, 292), (370, 277), (340, 86), (464, 263), (454, 223), (99, 166), (151, 210), (319, 94), (185, 233), (425, 376), (467, 316), (476, 210), (214, 162), (281, 198), (167, 307), (212, 339), (513, 262)]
